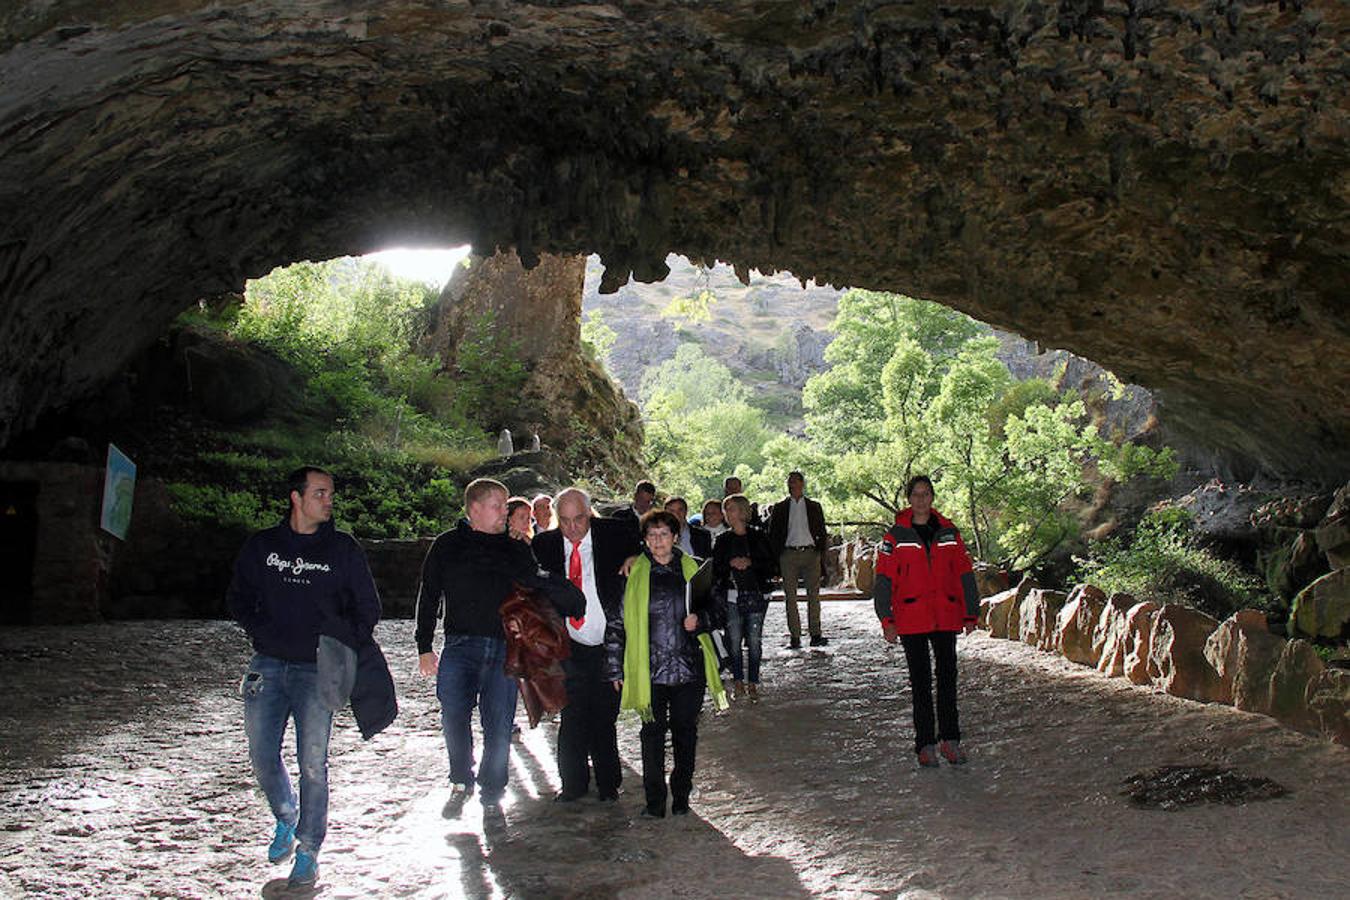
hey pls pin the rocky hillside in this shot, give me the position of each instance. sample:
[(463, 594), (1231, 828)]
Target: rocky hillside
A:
[(563, 397), (771, 333)]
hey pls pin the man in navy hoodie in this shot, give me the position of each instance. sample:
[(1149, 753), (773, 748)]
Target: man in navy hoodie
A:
[(292, 582)]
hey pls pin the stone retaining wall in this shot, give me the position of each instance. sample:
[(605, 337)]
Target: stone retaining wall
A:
[(1183, 652)]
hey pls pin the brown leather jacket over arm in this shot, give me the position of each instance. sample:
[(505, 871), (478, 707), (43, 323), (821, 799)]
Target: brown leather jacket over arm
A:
[(536, 645)]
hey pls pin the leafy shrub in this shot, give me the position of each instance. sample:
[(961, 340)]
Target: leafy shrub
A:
[(1165, 561), (214, 505)]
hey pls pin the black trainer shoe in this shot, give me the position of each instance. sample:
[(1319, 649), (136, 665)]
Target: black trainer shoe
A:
[(459, 795), (794, 643), (819, 640)]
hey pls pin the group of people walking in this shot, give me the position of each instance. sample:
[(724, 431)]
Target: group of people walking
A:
[(636, 643)]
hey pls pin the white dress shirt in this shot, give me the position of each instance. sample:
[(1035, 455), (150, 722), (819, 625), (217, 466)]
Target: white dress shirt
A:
[(685, 543), (799, 528), (592, 631)]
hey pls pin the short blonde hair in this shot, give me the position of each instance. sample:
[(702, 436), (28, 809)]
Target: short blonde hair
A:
[(740, 501), (479, 488)]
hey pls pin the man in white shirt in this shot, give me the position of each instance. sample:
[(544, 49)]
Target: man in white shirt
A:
[(694, 540), (797, 535), (541, 510), (590, 552)]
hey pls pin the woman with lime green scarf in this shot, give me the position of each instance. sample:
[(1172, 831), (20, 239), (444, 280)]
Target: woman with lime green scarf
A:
[(662, 658)]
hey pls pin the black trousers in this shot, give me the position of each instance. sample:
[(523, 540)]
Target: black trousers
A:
[(921, 686), (674, 707), (586, 734)]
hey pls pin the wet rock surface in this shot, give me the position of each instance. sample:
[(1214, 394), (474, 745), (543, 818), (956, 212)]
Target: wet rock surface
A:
[(123, 773), (1172, 787), (1156, 186)]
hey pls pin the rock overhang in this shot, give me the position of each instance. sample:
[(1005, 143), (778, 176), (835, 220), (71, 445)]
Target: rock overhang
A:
[(1161, 187)]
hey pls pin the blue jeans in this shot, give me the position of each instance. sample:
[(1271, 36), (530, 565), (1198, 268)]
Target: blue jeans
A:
[(749, 625), (275, 691), (470, 674)]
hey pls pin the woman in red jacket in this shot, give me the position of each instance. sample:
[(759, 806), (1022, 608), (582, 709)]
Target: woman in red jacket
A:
[(924, 595)]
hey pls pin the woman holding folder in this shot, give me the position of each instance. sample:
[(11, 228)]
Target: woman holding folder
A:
[(661, 658)]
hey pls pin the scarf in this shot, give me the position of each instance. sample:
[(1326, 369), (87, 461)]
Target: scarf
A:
[(637, 675)]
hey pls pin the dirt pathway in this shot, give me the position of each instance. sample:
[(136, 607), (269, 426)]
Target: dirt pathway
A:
[(123, 774)]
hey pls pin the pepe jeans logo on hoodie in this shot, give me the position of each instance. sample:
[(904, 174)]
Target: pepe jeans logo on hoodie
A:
[(293, 571)]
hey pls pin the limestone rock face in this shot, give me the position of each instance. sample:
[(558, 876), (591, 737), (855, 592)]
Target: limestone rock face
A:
[(1294, 567), (995, 611), (1322, 609), (989, 579), (1333, 532), (1243, 652), (1296, 672), (566, 399), (1333, 539), (1176, 656), (864, 574), (1108, 637), (1138, 635), (1024, 589), (803, 356), (852, 564), (1077, 622), (1329, 701), (1158, 187), (1038, 614)]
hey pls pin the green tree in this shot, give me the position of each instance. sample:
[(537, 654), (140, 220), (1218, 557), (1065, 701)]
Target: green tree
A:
[(870, 327), (693, 309), (597, 338), (918, 388), (691, 379), (699, 425)]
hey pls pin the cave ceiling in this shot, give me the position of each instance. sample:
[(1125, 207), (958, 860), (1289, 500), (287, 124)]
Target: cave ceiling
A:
[(1158, 185)]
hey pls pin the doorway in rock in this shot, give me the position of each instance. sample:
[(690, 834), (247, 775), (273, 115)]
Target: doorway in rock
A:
[(18, 544)]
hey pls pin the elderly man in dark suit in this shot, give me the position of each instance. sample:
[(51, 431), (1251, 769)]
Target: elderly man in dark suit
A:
[(797, 536), (589, 551)]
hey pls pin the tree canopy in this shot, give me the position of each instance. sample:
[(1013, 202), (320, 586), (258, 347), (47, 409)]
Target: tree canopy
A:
[(919, 388)]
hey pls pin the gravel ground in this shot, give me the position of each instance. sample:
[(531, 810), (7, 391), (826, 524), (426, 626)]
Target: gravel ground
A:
[(123, 773)]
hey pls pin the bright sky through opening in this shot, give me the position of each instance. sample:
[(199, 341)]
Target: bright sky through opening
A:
[(428, 266)]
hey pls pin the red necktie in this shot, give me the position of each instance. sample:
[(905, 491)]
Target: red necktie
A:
[(574, 575)]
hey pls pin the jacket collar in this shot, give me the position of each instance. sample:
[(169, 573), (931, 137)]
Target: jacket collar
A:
[(905, 518)]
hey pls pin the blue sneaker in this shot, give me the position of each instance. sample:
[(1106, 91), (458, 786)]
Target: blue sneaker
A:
[(306, 869), (282, 843)]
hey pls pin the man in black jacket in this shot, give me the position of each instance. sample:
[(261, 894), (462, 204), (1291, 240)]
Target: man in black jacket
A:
[(469, 571), (589, 551), (293, 582), (798, 537), (694, 539), (644, 494)]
